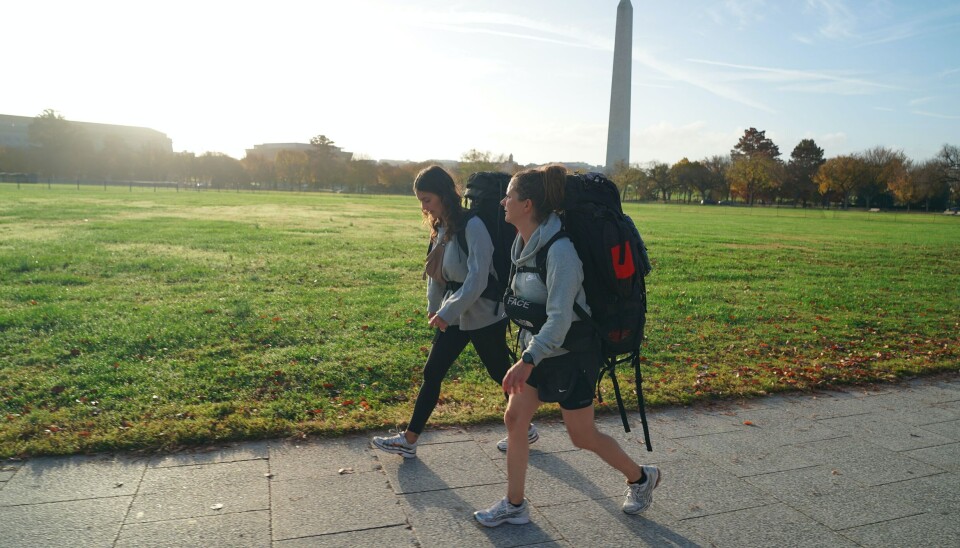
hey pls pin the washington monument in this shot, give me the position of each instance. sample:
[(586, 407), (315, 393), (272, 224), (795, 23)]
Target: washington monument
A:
[(618, 131)]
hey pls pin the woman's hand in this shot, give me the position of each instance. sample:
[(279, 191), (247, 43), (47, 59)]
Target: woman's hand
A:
[(439, 323), (516, 377)]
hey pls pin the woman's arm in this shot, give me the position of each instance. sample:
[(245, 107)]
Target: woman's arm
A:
[(564, 282)]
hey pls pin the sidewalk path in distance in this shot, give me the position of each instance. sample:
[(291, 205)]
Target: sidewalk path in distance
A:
[(864, 466)]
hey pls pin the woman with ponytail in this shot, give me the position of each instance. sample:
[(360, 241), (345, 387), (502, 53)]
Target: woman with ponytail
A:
[(555, 347), (455, 307)]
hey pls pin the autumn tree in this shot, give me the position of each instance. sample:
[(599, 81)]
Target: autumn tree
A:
[(759, 176), (883, 166), (755, 143), (474, 160), (659, 176), (361, 174), (689, 176), (292, 167), (717, 166), (628, 178), (949, 161), (805, 160), (841, 175), (58, 145), (918, 184), (327, 167), (259, 169), (219, 170)]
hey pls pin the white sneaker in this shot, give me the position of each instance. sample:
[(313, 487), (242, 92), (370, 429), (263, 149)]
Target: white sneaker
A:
[(640, 495), (502, 512), (532, 436), (397, 445)]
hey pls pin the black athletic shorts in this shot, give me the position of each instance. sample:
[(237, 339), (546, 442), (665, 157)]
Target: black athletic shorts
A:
[(582, 392)]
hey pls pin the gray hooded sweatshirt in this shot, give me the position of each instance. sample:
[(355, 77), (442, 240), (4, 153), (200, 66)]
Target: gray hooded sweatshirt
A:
[(465, 307), (564, 286)]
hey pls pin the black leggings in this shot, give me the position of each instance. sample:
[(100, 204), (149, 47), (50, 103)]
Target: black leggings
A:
[(489, 342)]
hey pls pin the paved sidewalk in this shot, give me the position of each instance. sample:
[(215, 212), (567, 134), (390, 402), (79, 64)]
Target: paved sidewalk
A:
[(861, 467)]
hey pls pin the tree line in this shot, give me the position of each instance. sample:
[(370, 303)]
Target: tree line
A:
[(752, 173)]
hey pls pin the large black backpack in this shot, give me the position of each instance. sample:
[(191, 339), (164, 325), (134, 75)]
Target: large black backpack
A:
[(615, 263), (484, 191)]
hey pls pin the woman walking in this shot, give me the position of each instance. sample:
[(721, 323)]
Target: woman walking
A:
[(532, 197), (456, 306)]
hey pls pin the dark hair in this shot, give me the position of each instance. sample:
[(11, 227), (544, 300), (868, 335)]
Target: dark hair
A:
[(435, 180), (543, 186)]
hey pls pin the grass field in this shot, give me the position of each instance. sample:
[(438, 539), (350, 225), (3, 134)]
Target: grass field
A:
[(141, 319)]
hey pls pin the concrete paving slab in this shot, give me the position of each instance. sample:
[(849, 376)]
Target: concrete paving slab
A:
[(921, 530), (51, 479), (827, 405), (938, 494), (5, 476), (214, 454), (91, 522), (444, 518), (944, 457), (733, 452), (204, 490), (602, 523), (440, 466), (244, 529), (854, 507), (399, 536), (868, 464), (949, 429), (766, 526), (684, 422), (902, 407), (696, 488), (335, 504), (886, 432), (800, 485), (319, 458)]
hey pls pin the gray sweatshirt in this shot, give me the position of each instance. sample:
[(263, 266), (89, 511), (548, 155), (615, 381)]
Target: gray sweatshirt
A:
[(564, 285), (465, 307)]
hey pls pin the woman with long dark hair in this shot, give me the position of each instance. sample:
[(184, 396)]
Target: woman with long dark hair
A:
[(455, 305)]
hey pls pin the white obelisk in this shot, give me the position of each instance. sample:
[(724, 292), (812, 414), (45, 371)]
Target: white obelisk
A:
[(618, 131)]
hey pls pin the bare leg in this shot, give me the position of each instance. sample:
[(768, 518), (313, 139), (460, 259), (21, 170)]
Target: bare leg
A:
[(520, 410), (584, 434)]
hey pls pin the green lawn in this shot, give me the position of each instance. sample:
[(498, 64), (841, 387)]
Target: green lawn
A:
[(141, 319)]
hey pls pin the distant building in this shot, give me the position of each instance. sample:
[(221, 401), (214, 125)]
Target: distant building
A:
[(15, 133), (269, 151)]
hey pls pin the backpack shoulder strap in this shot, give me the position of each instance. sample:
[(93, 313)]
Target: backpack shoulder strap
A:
[(462, 233), (541, 268)]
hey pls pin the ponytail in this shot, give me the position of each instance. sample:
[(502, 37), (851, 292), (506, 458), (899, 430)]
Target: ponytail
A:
[(542, 186)]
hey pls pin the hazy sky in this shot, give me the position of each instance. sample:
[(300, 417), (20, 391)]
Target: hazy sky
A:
[(431, 79)]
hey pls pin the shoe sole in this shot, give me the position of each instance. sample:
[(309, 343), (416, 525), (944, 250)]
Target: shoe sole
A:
[(514, 521)]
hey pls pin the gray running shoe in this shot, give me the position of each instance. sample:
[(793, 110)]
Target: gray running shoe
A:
[(532, 436), (502, 512), (640, 495), (397, 445)]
